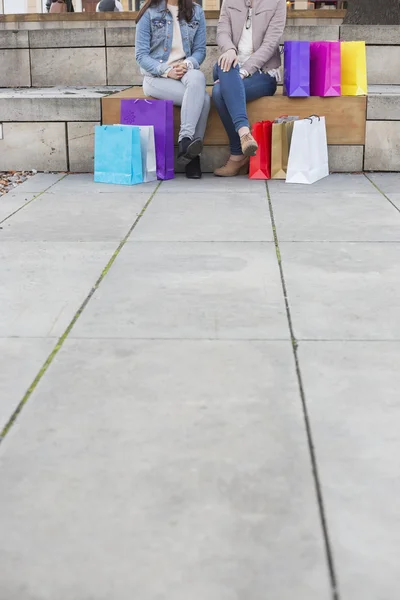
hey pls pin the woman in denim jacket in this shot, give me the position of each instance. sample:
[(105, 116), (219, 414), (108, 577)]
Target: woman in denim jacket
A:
[(170, 47)]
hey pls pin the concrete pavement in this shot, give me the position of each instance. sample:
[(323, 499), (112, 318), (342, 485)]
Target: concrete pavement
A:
[(199, 390)]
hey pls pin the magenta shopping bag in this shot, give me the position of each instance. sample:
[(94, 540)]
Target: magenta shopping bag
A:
[(160, 114), (297, 69), (325, 69)]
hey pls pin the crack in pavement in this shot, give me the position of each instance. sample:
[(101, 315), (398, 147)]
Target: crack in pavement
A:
[(310, 442), (32, 199), (75, 318)]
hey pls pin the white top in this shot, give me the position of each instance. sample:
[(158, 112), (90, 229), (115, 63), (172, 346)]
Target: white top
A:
[(177, 53), (245, 47), (118, 6)]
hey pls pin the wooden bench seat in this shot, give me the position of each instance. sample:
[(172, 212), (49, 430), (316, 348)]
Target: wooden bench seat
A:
[(345, 115)]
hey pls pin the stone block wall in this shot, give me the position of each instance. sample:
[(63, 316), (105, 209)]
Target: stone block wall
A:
[(106, 56), (96, 56)]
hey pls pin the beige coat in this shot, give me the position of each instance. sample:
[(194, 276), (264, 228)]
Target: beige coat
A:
[(269, 19)]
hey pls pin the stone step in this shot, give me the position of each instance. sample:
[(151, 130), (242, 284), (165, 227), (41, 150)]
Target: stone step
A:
[(52, 129), (62, 103), (81, 57), (70, 147), (53, 104)]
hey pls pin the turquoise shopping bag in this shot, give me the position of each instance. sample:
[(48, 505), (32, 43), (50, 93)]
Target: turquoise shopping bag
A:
[(117, 155)]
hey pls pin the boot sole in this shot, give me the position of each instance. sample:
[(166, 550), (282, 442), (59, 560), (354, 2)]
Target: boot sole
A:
[(194, 149), (251, 150)]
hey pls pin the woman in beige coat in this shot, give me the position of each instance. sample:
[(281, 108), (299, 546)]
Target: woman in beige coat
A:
[(248, 36)]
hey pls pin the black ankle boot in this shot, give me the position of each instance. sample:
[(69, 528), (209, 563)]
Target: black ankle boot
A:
[(188, 150), (193, 169)]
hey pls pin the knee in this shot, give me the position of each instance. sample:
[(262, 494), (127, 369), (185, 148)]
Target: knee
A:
[(196, 78)]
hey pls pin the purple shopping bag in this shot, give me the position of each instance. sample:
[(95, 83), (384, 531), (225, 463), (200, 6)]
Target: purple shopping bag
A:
[(297, 69), (325, 69), (160, 114)]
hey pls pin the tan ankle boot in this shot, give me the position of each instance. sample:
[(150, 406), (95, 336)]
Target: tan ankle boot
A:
[(233, 168), (249, 145)]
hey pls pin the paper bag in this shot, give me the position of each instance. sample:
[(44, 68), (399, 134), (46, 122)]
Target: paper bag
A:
[(281, 139), (325, 73), (159, 114), (260, 165), (354, 69), (308, 156), (117, 155), (148, 147), (296, 69)]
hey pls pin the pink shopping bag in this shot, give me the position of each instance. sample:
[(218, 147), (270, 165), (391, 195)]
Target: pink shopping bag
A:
[(325, 72)]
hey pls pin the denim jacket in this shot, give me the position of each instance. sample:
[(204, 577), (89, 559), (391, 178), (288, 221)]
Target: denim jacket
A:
[(154, 39)]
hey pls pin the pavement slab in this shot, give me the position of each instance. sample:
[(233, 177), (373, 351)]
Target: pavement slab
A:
[(61, 216), (21, 360), (233, 217), (395, 198), (43, 284), (130, 469), (388, 183), (352, 392), (11, 202), (335, 217), (191, 290), (217, 186), (39, 182), (336, 183), (163, 452), (83, 184), (343, 291)]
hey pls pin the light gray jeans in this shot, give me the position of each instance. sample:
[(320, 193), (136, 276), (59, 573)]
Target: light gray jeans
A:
[(189, 93)]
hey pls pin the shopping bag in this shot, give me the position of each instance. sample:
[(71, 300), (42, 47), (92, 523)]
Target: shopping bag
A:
[(308, 156), (147, 143), (280, 145), (325, 70), (117, 155), (148, 151), (354, 69), (159, 114), (296, 69), (260, 164)]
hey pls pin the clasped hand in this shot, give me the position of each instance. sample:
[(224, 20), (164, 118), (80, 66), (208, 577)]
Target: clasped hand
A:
[(178, 71)]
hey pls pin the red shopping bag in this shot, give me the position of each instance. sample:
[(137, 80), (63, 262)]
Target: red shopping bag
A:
[(260, 164)]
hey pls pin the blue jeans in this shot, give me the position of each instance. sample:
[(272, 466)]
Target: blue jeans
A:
[(230, 96)]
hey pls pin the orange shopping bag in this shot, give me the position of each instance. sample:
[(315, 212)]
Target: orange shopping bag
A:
[(260, 164)]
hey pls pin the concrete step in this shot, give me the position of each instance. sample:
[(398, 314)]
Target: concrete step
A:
[(52, 129), (106, 56), (57, 103)]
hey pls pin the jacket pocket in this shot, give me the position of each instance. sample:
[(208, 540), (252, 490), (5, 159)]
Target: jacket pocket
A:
[(158, 29), (192, 29), (262, 11)]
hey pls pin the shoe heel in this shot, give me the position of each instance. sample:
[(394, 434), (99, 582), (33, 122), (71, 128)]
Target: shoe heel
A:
[(244, 170)]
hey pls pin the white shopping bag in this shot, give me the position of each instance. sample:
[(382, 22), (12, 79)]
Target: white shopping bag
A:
[(148, 147), (148, 150), (308, 156)]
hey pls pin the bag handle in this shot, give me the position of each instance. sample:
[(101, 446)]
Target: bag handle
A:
[(147, 101), (310, 118)]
